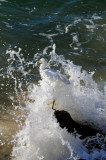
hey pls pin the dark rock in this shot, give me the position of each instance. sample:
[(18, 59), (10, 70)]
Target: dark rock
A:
[(92, 138), (67, 122)]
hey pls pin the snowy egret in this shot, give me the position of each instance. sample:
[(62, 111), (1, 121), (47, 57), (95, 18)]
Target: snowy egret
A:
[(50, 74)]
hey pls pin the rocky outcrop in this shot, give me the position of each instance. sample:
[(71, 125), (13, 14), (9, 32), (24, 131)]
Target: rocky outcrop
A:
[(91, 137), (66, 121)]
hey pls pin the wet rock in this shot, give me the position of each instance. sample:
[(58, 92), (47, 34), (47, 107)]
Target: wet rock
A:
[(92, 138), (67, 122)]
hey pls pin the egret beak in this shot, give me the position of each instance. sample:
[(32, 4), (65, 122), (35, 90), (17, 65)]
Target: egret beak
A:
[(39, 61)]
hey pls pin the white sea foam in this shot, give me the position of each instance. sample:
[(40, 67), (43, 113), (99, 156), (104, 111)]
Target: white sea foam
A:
[(96, 17), (42, 137), (49, 36)]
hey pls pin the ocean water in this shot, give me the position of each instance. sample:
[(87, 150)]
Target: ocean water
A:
[(71, 36)]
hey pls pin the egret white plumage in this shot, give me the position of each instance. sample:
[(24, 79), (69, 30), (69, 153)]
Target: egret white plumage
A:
[(50, 74)]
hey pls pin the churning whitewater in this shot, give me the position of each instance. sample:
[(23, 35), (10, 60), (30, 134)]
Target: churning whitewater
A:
[(52, 60), (41, 138)]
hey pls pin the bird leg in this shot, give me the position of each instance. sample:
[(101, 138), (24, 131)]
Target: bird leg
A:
[(53, 103)]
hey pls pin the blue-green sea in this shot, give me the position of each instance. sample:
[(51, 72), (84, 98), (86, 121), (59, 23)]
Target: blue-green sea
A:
[(71, 36)]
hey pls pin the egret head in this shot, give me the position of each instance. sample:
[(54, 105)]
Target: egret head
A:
[(42, 60), (43, 63)]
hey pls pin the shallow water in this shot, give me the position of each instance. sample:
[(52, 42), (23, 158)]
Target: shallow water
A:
[(71, 36)]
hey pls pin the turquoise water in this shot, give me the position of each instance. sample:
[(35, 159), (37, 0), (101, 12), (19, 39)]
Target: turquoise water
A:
[(29, 30)]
